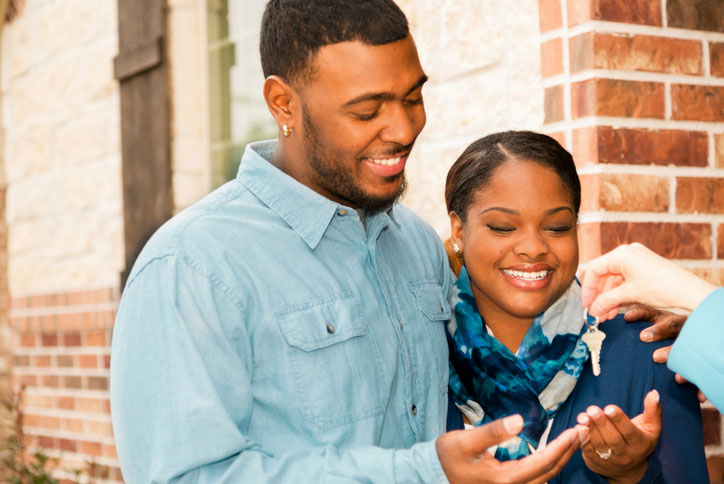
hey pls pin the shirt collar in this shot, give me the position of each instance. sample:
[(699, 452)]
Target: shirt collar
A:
[(304, 210)]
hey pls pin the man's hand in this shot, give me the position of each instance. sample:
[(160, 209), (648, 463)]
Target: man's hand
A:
[(465, 458), (664, 325)]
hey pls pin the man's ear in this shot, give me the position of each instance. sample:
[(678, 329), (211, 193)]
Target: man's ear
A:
[(281, 100)]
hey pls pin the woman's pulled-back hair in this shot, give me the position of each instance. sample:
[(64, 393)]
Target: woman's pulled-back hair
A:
[(475, 167)]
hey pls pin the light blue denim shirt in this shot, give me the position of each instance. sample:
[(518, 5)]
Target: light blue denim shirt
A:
[(266, 335)]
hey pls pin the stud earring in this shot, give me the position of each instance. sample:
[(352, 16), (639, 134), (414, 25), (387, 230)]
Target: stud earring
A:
[(286, 130), (456, 248)]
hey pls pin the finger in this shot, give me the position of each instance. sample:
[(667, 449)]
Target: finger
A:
[(541, 466), (661, 354), (482, 438), (680, 379), (665, 326), (610, 301), (652, 413), (584, 434), (641, 312), (629, 431), (700, 396), (611, 438)]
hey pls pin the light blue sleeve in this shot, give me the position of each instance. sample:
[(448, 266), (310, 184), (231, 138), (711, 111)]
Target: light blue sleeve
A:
[(698, 353), (181, 394)]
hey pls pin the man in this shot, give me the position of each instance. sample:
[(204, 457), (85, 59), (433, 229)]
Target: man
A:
[(289, 327)]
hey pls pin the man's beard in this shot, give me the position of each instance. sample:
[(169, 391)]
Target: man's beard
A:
[(334, 178)]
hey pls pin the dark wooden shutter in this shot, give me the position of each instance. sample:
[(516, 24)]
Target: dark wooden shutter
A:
[(142, 70)]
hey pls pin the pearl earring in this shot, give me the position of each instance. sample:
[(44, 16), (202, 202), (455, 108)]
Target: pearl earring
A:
[(456, 248), (286, 130)]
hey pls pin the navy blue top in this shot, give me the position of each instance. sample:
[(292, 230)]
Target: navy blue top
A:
[(627, 374)]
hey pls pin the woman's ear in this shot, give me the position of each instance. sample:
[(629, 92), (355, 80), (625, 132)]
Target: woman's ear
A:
[(280, 99), (456, 234)]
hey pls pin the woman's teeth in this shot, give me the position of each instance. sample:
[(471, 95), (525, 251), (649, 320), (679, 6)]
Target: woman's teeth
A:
[(526, 276), (386, 161)]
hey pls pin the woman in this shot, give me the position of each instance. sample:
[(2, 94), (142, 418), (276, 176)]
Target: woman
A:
[(516, 337)]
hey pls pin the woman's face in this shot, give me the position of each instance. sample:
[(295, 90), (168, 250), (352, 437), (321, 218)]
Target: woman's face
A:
[(519, 241)]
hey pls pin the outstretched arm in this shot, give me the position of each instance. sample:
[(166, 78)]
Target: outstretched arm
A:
[(635, 274)]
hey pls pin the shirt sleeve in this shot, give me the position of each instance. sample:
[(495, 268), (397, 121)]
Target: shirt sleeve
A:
[(182, 397), (697, 353)]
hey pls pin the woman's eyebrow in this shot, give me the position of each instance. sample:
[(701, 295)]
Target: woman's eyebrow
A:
[(500, 209), (558, 209)]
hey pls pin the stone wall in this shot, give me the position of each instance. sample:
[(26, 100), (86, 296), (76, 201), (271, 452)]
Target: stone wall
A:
[(635, 88), (62, 165), (483, 61)]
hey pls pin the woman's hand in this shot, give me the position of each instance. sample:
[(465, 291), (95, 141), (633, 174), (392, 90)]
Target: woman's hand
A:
[(618, 447), (465, 458)]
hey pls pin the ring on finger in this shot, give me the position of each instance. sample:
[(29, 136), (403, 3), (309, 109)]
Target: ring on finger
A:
[(605, 455)]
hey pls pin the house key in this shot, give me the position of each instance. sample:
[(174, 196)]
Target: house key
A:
[(593, 338)]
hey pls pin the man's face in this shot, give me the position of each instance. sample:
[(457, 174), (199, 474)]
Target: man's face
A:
[(362, 110)]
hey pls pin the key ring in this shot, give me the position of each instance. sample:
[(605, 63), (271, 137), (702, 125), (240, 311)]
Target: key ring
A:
[(591, 325)]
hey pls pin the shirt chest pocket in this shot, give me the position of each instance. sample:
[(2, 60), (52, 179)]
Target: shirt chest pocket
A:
[(332, 362), (431, 301)]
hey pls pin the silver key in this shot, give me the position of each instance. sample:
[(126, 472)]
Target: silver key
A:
[(594, 340)]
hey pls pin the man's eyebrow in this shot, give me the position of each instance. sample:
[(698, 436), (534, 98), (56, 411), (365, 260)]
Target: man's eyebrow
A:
[(385, 96)]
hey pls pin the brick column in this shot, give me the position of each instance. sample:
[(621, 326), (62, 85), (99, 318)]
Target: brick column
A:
[(635, 89)]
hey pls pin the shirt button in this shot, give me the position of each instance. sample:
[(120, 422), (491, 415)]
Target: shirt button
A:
[(414, 410), (330, 328), (341, 212)]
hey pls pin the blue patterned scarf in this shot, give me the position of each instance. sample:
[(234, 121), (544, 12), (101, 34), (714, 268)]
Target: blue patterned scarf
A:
[(489, 382)]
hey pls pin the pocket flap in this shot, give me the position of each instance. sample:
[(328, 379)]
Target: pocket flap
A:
[(322, 322), (430, 299)]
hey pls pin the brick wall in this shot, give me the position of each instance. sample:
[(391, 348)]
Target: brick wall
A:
[(635, 88), (62, 357)]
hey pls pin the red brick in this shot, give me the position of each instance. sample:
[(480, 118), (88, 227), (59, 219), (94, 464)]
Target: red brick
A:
[(697, 103), (553, 104), (91, 448), (46, 442), (106, 361), (700, 195), (97, 383), (71, 339), (49, 339), (50, 381), (21, 360), (67, 445), (589, 241), (625, 193), (27, 340), (696, 14), (74, 382), (646, 12), (551, 53), (73, 425), (720, 242), (110, 451), (88, 361), (715, 464), (95, 338), (670, 240), (719, 150), (612, 97), (64, 361), (716, 58), (66, 403), (712, 426), (27, 380), (52, 423), (549, 15), (635, 53), (605, 144), (42, 361)]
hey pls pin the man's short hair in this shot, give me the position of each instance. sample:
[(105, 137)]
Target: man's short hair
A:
[(292, 31)]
